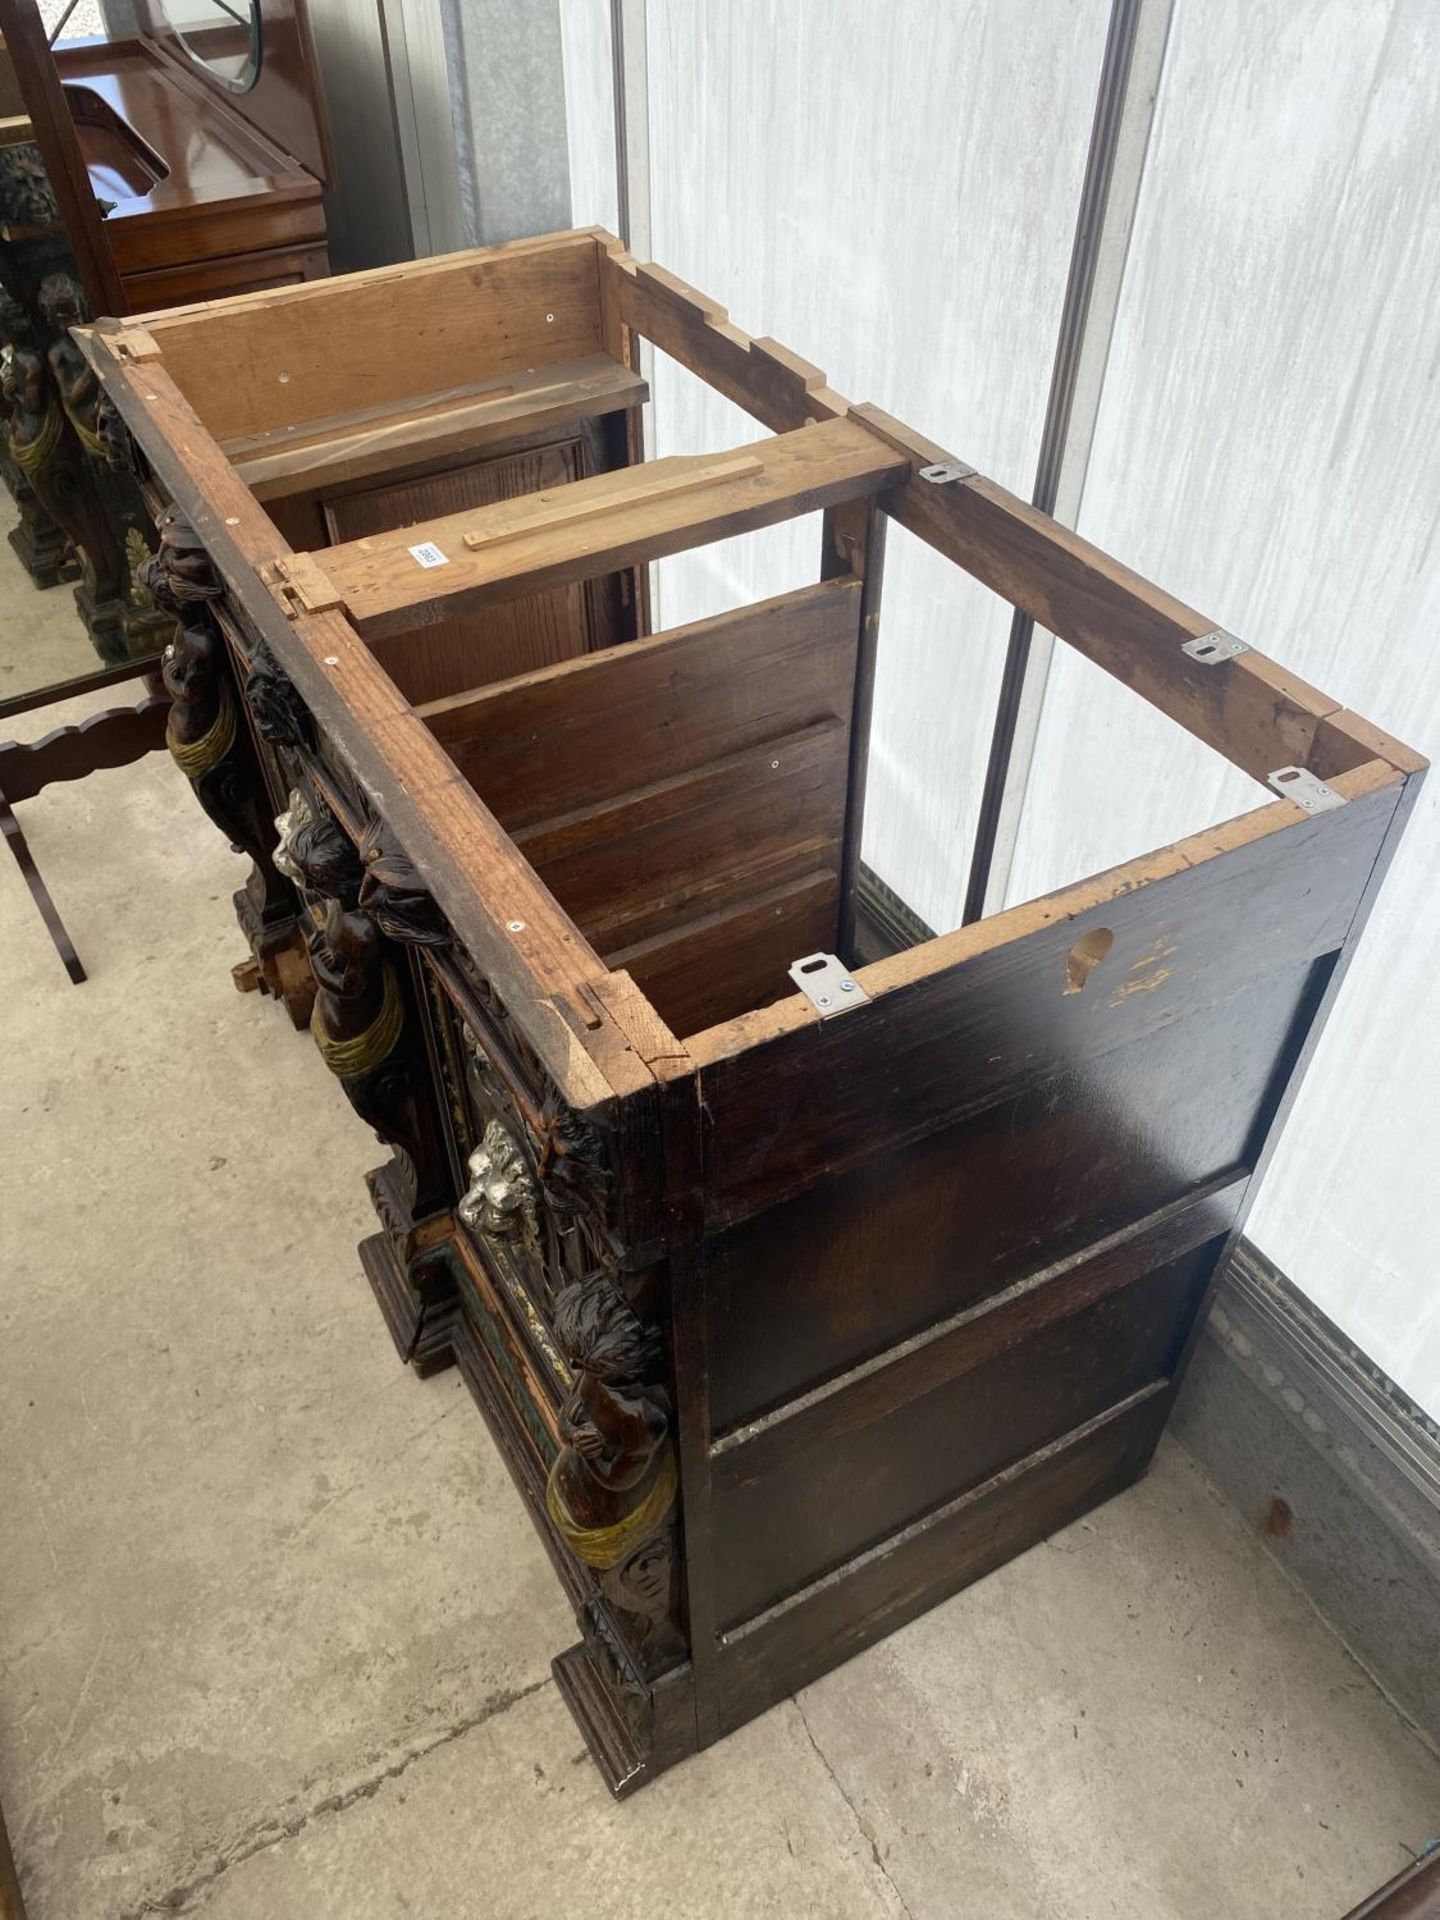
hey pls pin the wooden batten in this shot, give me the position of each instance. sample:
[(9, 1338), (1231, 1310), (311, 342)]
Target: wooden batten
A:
[(594, 526), (430, 427), (1255, 713)]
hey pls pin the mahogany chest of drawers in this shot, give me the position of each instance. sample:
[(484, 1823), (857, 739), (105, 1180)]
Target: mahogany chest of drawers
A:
[(802, 1276)]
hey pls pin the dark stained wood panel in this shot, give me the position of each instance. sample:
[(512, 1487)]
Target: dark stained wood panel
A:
[(920, 1229), (811, 1507), (951, 1040), (631, 867), (737, 956), (839, 1613), (611, 722)]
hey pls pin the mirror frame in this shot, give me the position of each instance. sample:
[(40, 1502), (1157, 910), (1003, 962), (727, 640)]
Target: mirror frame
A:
[(257, 47)]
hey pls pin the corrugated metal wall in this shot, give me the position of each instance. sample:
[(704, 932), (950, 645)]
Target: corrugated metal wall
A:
[(892, 191)]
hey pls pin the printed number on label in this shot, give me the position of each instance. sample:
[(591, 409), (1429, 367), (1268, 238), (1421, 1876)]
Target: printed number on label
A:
[(427, 554)]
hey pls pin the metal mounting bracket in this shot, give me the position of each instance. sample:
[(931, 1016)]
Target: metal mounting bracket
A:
[(1210, 649), (1305, 789), (829, 987), (946, 470)]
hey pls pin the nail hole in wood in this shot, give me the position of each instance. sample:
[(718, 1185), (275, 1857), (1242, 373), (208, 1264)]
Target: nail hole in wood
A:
[(1086, 954)]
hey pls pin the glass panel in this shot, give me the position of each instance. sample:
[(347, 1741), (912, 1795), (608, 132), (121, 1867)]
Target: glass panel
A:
[(223, 36)]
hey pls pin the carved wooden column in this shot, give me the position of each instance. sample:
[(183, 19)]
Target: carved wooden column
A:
[(612, 1489), (209, 740), (76, 515), (541, 1209), (27, 204), (128, 539), (367, 908)]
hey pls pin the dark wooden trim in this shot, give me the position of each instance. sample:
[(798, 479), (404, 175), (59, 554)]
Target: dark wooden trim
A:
[(854, 543), (12, 1904), (812, 1630), (81, 683), (680, 1122), (19, 846), (110, 739)]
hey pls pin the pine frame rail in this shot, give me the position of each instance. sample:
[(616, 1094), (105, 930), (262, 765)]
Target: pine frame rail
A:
[(855, 1307)]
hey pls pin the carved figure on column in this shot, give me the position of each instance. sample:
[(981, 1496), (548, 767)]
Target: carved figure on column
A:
[(62, 306), (206, 736), (43, 446), (611, 1490), (362, 1021), (41, 544)]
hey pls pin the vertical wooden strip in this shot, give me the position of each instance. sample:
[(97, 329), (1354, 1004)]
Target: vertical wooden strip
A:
[(1295, 1074), (854, 544), (681, 1116), (1119, 136)]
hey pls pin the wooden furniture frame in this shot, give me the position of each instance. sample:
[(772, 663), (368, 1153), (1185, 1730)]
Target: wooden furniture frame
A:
[(790, 1316), (234, 201)]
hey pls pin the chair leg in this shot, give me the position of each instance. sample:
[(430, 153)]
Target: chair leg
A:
[(39, 893)]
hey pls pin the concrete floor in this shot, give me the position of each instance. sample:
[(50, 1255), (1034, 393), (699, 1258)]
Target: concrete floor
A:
[(274, 1630)]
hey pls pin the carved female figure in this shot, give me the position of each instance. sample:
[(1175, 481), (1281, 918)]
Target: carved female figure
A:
[(203, 732), (63, 306), (611, 1490), (44, 448), (358, 1016)]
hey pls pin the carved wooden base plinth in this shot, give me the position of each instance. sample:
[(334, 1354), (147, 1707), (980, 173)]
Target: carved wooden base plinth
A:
[(278, 965), (624, 1765), (43, 550), (120, 631), (417, 1303)]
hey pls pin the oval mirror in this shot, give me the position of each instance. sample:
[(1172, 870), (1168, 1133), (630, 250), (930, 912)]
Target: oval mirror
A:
[(223, 36)]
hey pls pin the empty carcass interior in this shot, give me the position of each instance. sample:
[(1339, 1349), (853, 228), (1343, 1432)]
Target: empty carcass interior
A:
[(684, 796)]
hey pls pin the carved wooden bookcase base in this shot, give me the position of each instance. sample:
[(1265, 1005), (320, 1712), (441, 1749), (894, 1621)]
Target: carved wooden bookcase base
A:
[(789, 1315)]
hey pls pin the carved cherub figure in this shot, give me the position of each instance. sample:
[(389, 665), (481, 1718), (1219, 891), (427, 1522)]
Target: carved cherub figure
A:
[(63, 305)]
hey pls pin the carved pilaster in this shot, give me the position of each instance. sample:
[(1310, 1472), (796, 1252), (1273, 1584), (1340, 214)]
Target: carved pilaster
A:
[(365, 1022), (612, 1489), (117, 593), (539, 1203), (211, 745)]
